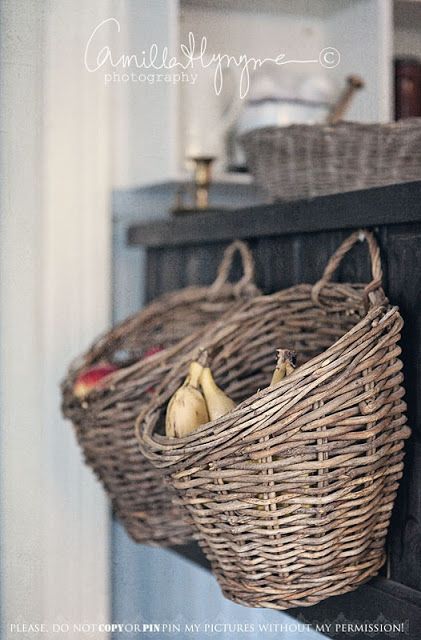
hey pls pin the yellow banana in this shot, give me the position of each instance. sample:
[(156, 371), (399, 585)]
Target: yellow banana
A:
[(287, 361), (187, 410), (217, 402)]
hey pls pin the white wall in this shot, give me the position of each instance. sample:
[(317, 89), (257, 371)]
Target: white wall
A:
[(144, 128), (362, 31), (21, 328), (54, 282)]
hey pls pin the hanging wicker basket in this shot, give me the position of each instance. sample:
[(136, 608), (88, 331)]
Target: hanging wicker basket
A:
[(104, 420), (291, 493)]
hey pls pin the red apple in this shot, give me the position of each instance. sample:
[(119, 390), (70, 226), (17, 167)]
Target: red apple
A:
[(89, 379), (152, 350)]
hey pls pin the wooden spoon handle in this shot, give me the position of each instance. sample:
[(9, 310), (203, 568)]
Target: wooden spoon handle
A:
[(354, 83)]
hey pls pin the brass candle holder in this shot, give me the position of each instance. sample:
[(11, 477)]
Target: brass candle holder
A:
[(201, 185), (202, 181)]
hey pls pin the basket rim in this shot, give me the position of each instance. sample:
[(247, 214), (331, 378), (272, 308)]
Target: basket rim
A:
[(343, 126), (219, 290), (214, 429), (89, 357)]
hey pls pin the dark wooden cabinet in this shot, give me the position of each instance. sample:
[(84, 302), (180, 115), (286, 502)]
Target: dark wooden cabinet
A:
[(291, 243)]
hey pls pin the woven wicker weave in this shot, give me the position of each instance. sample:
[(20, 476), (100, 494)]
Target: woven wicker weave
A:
[(104, 420), (304, 161), (291, 493)]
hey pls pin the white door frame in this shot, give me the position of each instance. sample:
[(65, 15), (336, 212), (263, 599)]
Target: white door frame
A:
[(55, 263)]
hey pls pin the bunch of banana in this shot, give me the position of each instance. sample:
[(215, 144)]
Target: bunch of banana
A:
[(196, 402), (187, 408)]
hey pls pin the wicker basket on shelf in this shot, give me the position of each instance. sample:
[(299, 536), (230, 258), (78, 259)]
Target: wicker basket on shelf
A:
[(104, 420), (304, 161), (291, 493)]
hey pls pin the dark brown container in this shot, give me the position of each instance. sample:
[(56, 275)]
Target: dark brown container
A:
[(407, 88)]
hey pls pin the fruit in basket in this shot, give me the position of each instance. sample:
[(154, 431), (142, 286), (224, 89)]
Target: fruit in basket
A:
[(217, 402), (127, 356), (90, 378), (152, 351), (187, 409), (287, 361)]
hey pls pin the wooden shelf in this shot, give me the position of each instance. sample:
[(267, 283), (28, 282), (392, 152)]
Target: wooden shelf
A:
[(384, 205)]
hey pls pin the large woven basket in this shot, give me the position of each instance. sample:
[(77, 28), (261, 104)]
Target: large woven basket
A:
[(304, 161), (291, 493), (104, 421)]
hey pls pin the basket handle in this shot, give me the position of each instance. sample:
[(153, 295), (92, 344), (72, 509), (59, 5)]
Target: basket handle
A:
[(246, 282), (376, 268)]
